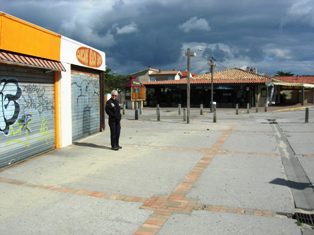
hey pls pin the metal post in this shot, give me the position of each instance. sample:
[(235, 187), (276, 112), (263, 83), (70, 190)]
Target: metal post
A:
[(184, 115), (201, 111), (303, 96), (136, 110), (266, 105), (237, 109), (123, 109), (248, 108), (188, 54), (158, 113), (211, 64), (214, 113), (256, 106), (306, 115), (179, 109)]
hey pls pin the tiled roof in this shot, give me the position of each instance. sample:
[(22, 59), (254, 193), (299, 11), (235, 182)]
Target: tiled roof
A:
[(184, 74), (235, 74), (229, 76), (296, 79), (204, 81)]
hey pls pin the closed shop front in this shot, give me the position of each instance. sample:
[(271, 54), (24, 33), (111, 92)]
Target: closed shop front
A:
[(26, 113), (85, 103)]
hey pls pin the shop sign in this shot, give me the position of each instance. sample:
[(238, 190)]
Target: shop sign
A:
[(88, 57)]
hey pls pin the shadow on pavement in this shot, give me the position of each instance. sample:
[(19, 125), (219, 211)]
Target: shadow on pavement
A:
[(91, 145), (291, 184)]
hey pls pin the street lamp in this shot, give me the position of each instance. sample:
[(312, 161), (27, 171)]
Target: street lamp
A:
[(212, 65), (188, 54)]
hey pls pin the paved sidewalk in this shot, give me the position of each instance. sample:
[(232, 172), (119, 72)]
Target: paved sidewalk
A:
[(170, 178)]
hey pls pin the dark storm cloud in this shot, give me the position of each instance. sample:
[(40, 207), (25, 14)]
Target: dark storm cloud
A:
[(270, 35)]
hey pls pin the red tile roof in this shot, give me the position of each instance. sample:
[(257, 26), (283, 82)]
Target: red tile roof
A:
[(184, 74), (296, 79), (229, 76)]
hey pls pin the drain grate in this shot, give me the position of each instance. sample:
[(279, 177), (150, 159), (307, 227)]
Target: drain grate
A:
[(272, 121), (304, 218)]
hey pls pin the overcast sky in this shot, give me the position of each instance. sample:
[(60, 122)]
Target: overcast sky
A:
[(270, 35)]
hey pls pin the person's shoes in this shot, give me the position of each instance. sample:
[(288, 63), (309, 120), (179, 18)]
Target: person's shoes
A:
[(120, 147), (115, 148)]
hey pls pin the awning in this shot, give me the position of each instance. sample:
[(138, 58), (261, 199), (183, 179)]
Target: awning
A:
[(23, 60), (276, 82)]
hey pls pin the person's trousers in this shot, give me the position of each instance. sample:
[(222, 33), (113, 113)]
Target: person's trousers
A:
[(114, 133)]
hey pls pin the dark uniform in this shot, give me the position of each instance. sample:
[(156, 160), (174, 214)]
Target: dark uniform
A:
[(113, 110)]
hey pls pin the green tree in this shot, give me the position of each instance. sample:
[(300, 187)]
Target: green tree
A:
[(115, 81), (282, 73)]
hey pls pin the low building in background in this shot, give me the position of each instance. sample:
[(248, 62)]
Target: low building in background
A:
[(231, 86), (291, 90)]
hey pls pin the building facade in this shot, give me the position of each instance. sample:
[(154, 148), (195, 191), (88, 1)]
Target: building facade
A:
[(230, 87), (51, 90)]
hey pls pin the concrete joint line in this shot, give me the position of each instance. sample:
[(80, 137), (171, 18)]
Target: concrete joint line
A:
[(297, 179)]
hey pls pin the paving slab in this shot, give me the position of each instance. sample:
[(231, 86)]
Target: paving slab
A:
[(203, 222), (59, 213), (244, 181)]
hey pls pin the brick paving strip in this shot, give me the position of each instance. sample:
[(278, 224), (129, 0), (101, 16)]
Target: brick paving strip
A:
[(81, 192)]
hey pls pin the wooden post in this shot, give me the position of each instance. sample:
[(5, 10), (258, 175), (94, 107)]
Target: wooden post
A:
[(136, 110), (158, 113), (140, 107), (214, 112), (306, 115)]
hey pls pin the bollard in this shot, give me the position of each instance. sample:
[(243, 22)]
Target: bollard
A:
[(123, 109), (179, 109), (140, 107), (184, 114), (136, 110), (306, 115), (201, 110), (248, 108), (256, 106), (214, 113), (237, 109), (266, 108), (158, 113)]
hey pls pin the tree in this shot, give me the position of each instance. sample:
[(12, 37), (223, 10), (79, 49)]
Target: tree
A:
[(115, 81), (282, 73)]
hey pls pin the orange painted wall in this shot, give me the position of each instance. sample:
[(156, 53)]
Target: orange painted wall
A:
[(23, 37)]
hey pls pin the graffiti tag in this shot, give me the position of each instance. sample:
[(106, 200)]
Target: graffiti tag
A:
[(35, 98), (10, 92)]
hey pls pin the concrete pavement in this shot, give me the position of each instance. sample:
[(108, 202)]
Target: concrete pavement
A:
[(169, 178)]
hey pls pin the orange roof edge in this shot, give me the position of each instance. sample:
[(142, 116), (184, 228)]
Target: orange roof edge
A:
[(29, 24)]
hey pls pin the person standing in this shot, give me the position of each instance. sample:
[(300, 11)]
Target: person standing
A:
[(113, 111)]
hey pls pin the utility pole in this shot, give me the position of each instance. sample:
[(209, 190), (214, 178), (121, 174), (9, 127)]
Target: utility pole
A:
[(188, 54), (212, 65)]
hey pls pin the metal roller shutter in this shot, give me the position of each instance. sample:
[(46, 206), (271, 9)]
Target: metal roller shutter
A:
[(26, 113), (85, 104)]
